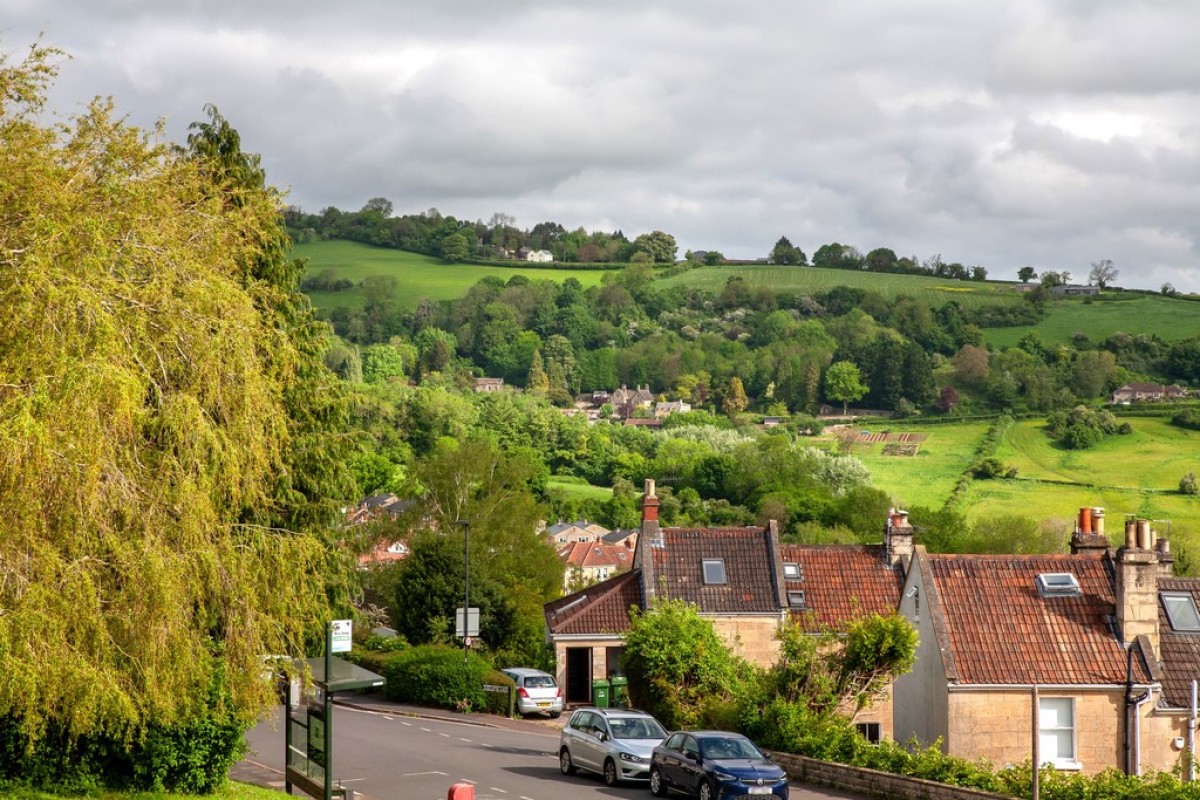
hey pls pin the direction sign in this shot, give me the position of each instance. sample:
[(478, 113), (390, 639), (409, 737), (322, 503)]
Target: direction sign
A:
[(472, 626)]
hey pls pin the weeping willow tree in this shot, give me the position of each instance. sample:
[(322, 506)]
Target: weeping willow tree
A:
[(169, 440)]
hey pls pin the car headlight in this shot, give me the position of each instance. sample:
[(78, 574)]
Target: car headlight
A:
[(724, 776), (632, 758)]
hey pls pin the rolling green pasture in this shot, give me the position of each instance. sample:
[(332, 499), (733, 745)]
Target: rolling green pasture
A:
[(812, 279), (1170, 318), (579, 489), (927, 478), (1134, 474), (417, 276)]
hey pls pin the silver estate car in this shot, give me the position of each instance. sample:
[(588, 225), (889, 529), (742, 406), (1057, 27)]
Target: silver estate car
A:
[(613, 742), (537, 691)]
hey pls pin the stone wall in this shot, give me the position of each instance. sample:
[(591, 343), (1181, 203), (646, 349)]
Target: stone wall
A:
[(873, 782), (753, 637)]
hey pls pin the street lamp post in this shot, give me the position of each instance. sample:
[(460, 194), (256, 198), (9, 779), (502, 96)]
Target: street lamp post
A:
[(466, 523)]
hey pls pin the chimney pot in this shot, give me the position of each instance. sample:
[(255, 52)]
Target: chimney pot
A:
[(1130, 534), (1098, 521), (1143, 534), (1085, 520)]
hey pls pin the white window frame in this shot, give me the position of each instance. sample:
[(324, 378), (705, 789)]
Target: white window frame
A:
[(791, 570), (1178, 624), (1051, 731)]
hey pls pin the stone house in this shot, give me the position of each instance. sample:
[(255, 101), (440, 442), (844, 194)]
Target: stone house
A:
[(1146, 393), (592, 562), (742, 579), (1087, 657), (489, 384), (578, 531)]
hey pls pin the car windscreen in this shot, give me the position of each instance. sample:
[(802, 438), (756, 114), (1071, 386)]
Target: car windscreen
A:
[(728, 748), (539, 682), (636, 728)]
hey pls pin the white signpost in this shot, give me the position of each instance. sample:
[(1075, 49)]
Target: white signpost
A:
[(342, 639), (472, 624)]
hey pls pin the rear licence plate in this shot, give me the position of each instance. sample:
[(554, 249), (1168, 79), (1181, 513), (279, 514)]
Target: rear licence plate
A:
[(543, 705), (760, 790)]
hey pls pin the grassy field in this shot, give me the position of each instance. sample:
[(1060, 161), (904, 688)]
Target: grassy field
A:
[(417, 276), (579, 489), (812, 279), (1135, 474), (1169, 318), (927, 478)]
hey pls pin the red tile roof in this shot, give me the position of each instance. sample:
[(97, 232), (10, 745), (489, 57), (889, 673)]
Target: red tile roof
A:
[(998, 630), (841, 583), (1180, 651), (591, 555), (750, 569), (599, 609)]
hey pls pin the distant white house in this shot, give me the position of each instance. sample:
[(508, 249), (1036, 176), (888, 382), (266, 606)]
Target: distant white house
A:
[(668, 407), (539, 255)]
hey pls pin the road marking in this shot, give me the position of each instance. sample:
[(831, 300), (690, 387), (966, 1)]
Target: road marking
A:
[(444, 734), (467, 780), (417, 774), (485, 744), (406, 724), (494, 789), (523, 797), (461, 739), (389, 719), (426, 730)]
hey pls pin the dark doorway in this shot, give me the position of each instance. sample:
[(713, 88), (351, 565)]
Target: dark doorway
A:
[(579, 675)]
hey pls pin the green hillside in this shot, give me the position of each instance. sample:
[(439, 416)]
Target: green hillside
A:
[(1134, 474), (813, 279), (1170, 318), (418, 276)]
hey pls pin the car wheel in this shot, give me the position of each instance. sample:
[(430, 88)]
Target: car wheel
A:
[(657, 787), (555, 714), (706, 791), (564, 762), (611, 776)]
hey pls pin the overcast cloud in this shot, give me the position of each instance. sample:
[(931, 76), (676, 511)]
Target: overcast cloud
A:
[(1028, 132)]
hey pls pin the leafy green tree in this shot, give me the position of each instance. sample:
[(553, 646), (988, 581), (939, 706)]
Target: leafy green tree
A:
[(677, 664), (538, 382), (735, 399), (787, 254), (455, 248), (170, 453), (843, 383), (381, 362), (1103, 273), (660, 247), (1189, 485), (1026, 274)]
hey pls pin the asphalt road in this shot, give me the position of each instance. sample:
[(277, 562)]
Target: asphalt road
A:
[(387, 756)]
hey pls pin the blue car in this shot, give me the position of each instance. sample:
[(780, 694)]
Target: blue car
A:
[(714, 765)]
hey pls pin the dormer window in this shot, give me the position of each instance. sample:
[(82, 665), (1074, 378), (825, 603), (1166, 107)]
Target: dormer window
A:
[(714, 570), (1181, 611), (1058, 584), (792, 571)]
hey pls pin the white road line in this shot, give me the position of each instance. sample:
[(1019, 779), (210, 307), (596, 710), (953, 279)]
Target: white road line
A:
[(485, 744), (467, 780), (444, 734), (523, 797), (389, 719), (417, 774), (427, 730), (494, 789), (406, 724), (461, 739)]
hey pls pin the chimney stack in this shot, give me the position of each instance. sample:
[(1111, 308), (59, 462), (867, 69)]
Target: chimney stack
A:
[(898, 538), (649, 538), (1089, 532), (1137, 569), (649, 505)]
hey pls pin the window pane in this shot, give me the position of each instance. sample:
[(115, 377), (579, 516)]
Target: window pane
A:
[(1056, 723), (1181, 611), (714, 570)]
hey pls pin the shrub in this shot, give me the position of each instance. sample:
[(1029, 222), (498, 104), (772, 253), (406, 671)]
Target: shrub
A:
[(436, 675), (1188, 484), (987, 468), (499, 702), (1187, 418)]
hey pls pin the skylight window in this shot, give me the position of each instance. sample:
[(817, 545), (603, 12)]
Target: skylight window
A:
[(796, 599), (714, 570), (1181, 611), (1058, 584), (793, 571)]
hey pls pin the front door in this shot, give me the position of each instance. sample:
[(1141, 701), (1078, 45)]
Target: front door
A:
[(579, 675)]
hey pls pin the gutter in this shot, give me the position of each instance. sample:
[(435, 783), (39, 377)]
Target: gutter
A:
[(1075, 687)]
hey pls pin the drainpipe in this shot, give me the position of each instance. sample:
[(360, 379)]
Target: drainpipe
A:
[(1128, 704), (1138, 702), (1191, 737)]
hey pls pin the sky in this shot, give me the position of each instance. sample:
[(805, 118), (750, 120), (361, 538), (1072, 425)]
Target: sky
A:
[(1044, 133)]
